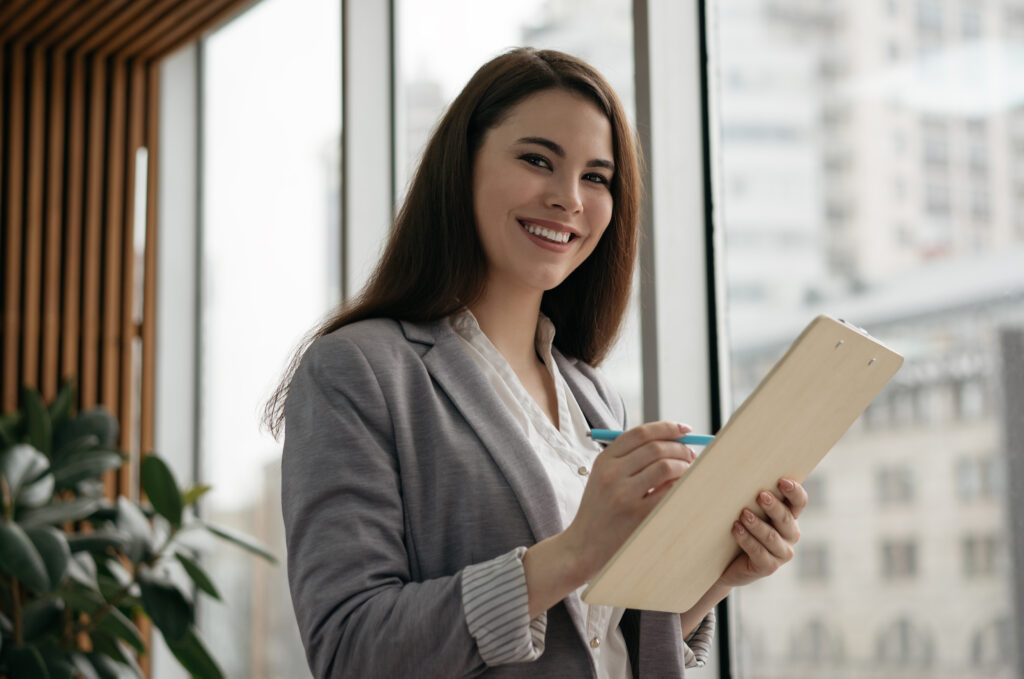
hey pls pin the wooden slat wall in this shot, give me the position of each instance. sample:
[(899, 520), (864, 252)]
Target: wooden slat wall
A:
[(79, 89)]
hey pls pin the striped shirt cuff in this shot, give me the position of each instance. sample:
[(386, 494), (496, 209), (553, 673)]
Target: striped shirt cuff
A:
[(498, 610), (697, 646)]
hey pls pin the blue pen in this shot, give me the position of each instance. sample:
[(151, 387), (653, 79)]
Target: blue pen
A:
[(609, 435)]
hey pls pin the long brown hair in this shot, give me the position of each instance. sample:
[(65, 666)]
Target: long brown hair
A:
[(433, 263)]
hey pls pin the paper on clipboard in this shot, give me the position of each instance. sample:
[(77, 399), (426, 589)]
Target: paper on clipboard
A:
[(785, 427)]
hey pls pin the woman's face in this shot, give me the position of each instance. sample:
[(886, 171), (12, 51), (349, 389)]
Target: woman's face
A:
[(541, 191)]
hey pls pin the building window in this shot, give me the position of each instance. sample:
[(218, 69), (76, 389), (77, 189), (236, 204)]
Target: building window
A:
[(899, 559), (976, 478), (816, 644), (929, 17), (906, 644), (894, 485), (979, 555), (936, 200)]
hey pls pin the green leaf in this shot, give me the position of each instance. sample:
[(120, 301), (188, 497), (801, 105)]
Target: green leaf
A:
[(190, 496), (113, 622), (192, 654), (165, 605), (98, 542), (20, 558), (87, 464), (198, 575), (82, 569), (161, 489), (40, 429), (84, 666), (108, 668), (60, 407), (26, 662), (24, 467), (9, 429), (113, 658), (53, 547), (42, 617), (59, 512), (97, 422), (132, 522), (244, 541)]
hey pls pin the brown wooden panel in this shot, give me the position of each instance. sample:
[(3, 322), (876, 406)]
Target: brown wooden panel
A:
[(10, 9), (153, 22), (69, 364), (19, 22), (32, 263), (92, 256), (51, 15), (131, 18), (152, 140), (7, 374), (92, 15), (110, 382), (54, 240), (14, 204)]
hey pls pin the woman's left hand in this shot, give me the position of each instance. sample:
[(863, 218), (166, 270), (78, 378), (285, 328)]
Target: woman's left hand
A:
[(766, 544)]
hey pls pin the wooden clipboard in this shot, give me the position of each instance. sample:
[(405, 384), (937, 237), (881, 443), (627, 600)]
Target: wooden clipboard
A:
[(785, 427)]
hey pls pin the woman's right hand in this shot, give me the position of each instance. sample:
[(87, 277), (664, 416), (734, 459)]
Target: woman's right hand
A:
[(627, 480)]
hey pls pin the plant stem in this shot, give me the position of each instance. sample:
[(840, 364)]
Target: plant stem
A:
[(16, 600)]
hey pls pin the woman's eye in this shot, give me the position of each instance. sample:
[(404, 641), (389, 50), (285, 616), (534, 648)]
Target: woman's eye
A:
[(596, 178), (534, 159)]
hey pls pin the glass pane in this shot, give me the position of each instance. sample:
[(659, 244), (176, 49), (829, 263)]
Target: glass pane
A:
[(871, 166), (272, 124), (431, 73)]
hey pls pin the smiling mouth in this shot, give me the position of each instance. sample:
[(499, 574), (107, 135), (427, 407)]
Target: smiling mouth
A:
[(548, 234)]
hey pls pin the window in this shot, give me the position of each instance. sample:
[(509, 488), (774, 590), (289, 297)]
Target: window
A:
[(979, 555), (895, 485), (899, 559), (271, 123), (976, 478), (904, 643)]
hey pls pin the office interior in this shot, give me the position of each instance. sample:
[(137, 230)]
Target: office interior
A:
[(187, 188)]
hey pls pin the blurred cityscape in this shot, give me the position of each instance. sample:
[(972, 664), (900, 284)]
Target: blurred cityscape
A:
[(871, 166)]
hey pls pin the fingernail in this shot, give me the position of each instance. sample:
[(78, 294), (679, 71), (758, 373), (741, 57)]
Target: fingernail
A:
[(786, 484), (740, 530), (748, 516), (766, 499), (683, 428)]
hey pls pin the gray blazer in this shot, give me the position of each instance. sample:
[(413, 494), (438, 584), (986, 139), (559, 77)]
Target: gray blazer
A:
[(400, 468)]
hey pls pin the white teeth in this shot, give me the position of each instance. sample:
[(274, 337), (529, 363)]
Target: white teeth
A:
[(548, 234)]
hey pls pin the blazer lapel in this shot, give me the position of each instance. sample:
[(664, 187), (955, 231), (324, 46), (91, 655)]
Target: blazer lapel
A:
[(459, 376), (456, 373)]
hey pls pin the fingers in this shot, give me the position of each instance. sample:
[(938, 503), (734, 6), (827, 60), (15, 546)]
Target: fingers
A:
[(641, 458), (765, 546), (781, 516), (795, 495), (646, 433)]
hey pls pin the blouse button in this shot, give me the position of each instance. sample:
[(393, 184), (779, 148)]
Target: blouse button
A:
[(595, 642), (583, 471)]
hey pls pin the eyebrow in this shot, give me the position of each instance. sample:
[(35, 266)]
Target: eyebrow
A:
[(557, 149)]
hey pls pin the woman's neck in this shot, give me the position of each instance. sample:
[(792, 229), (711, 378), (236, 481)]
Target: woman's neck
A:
[(510, 323)]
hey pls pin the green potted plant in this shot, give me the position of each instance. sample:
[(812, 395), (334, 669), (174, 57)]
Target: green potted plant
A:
[(77, 570)]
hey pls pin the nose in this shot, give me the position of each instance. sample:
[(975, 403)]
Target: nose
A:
[(564, 193)]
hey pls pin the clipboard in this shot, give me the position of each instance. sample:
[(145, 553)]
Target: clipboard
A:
[(808, 400)]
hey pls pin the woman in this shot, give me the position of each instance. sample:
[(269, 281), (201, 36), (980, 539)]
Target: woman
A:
[(443, 505)]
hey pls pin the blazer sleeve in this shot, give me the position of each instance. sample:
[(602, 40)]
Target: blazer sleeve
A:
[(359, 613)]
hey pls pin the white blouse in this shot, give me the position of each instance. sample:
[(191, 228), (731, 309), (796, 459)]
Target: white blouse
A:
[(567, 454)]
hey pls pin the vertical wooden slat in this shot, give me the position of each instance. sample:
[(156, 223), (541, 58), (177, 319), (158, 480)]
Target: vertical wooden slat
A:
[(152, 137), (54, 241), (92, 255), (5, 373), (134, 128), (113, 238), (75, 178), (12, 300), (33, 257)]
